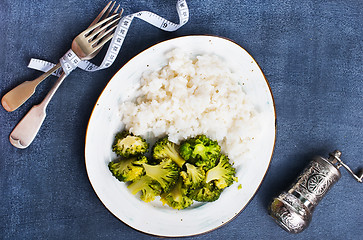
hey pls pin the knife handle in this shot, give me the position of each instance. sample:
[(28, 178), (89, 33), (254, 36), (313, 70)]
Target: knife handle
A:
[(18, 95)]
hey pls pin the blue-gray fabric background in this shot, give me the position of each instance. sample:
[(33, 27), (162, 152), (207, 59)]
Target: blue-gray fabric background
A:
[(310, 51)]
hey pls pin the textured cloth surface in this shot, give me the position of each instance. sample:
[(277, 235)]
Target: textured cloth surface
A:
[(310, 51)]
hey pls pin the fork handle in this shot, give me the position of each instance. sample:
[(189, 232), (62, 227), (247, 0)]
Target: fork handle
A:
[(18, 95), (26, 130)]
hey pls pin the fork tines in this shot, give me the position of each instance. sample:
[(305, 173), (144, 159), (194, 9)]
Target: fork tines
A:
[(101, 28), (106, 12), (104, 28)]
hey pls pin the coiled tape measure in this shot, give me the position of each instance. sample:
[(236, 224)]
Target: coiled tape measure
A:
[(70, 60)]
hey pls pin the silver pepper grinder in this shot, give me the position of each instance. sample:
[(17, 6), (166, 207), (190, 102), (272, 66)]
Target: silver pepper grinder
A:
[(292, 210)]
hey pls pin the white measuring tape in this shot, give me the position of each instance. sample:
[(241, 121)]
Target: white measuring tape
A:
[(70, 60)]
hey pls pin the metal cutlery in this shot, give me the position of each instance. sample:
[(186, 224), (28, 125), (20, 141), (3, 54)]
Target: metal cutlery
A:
[(84, 46), (21, 93)]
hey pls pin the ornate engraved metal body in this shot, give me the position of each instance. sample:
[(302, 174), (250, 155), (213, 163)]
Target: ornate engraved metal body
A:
[(315, 181), (293, 209)]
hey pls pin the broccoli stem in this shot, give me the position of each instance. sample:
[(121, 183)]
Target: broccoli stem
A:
[(176, 192), (174, 155), (136, 186), (201, 150)]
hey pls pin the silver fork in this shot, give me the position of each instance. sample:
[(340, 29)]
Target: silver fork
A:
[(84, 46), (21, 93)]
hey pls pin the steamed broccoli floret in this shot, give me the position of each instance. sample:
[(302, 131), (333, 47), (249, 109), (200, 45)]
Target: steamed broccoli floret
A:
[(127, 169), (207, 193), (149, 188), (179, 175), (167, 149), (165, 173), (177, 197), (193, 177), (222, 175), (201, 151), (127, 145)]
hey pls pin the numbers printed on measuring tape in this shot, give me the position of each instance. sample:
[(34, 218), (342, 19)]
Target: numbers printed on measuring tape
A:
[(70, 60)]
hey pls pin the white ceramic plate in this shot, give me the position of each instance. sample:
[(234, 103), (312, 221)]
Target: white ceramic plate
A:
[(154, 218)]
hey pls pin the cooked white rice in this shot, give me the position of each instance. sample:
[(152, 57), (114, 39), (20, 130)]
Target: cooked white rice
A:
[(191, 96)]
